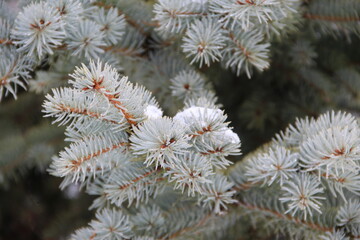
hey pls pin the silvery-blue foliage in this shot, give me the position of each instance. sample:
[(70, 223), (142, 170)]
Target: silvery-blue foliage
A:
[(164, 173), (233, 32), (38, 29), (125, 151), (305, 169), (86, 39), (204, 39)]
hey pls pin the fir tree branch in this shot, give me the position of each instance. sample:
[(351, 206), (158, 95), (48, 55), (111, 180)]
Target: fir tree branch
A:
[(209, 152), (129, 52), (85, 112), (183, 231), (139, 178), (182, 14), (237, 43), (202, 132), (129, 20), (287, 217), (112, 99), (6, 42), (92, 236), (4, 79), (77, 162)]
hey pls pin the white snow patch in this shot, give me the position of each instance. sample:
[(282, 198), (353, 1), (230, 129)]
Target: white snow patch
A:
[(230, 135), (193, 113), (153, 112), (227, 135)]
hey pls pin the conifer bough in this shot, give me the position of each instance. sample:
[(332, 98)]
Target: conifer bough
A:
[(171, 177), (133, 153)]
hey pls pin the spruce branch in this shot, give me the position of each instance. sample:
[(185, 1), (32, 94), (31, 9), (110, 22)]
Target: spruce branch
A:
[(245, 49), (133, 22), (287, 217), (89, 156), (14, 71), (38, 30), (165, 173)]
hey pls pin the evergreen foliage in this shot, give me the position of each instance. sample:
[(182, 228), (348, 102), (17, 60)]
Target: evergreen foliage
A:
[(134, 86)]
